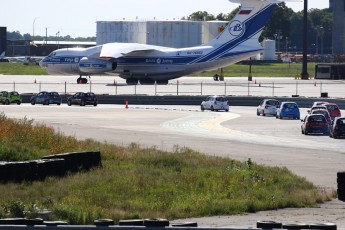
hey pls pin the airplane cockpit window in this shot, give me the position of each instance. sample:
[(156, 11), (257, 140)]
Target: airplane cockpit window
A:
[(52, 54)]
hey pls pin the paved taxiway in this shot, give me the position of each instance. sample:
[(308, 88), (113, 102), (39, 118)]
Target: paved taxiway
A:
[(238, 134)]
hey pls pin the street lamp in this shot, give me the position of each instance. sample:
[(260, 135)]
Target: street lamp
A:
[(33, 28), (57, 35), (321, 33)]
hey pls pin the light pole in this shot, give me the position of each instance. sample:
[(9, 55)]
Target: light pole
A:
[(322, 31), (33, 28), (57, 35), (305, 74)]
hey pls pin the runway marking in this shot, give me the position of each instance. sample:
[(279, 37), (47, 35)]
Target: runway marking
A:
[(208, 125)]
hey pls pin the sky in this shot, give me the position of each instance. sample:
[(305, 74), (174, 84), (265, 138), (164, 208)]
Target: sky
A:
[(77, 18)]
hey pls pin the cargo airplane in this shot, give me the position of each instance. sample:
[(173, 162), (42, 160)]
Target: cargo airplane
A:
[(149, 64)]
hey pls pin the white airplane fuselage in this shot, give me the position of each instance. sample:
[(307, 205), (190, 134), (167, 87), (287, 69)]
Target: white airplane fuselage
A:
[(148, 63)]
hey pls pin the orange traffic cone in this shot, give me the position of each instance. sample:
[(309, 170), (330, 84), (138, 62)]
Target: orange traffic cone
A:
[(126, 105)]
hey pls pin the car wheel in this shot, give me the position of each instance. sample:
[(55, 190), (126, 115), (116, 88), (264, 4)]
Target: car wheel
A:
[(19, 102), (263, 113), (69, 103), (46, 102), (202, 108), (82, 103), (95, 104), (257, 112), (226, 110), (302, 131), (7, 102), (33, 102), (212, 109), (306, 133)]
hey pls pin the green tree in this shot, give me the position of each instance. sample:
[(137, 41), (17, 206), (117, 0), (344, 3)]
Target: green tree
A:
[(278, 24), (201, 16)]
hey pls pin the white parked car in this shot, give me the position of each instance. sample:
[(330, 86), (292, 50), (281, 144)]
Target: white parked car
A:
[(268, 106), (215, 103)]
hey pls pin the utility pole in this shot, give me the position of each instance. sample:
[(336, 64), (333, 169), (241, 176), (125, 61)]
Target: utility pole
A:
[(305, 74)]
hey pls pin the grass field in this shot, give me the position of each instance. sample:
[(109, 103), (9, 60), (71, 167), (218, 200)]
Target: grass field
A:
[(237, 70), (137, 182), (263, 70)]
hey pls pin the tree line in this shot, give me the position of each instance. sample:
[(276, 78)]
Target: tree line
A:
[(285, 26)]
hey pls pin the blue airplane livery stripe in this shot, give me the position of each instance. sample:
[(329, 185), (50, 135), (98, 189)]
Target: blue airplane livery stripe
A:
[(252, 25)]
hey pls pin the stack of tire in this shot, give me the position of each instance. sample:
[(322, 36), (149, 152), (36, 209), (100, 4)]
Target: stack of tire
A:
[(341, 185), (50, 166), (78, 161), (278, 225)]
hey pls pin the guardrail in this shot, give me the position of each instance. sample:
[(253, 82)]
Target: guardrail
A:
[(302, 102)]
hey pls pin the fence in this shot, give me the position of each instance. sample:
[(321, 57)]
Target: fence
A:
[(313, 88)]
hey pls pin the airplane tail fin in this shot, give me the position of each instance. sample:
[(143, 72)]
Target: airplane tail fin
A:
[(2, 54), (247, 25)]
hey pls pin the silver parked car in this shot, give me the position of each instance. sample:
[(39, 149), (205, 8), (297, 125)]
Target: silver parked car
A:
[(268, 106), (215, 103)]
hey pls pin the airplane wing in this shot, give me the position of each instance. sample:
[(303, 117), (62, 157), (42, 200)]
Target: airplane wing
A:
[(115, 50)]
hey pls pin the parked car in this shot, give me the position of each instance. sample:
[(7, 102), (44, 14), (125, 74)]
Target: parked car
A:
[(314, 123), (268, 106), (316, 107), (333, 110), (288, 109), (82, 99), (10, 97), (317, 103), (323, 112), (215, 103), (46, 98), (337, 128)]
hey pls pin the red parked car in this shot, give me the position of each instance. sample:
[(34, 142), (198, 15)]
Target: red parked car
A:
[(315, 123), (333, 110)]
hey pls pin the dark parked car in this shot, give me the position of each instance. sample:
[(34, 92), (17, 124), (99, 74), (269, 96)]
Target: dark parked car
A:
[(82, 99), (46, 98), (337, 128), (314, 123)]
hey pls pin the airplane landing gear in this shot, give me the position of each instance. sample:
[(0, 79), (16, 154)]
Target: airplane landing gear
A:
[(81, 80)]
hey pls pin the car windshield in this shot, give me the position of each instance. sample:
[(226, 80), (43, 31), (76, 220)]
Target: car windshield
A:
[(222, 99), (316, 119), (290, 105), (273, 103), (332, 107), (341, 122), (55, 94)]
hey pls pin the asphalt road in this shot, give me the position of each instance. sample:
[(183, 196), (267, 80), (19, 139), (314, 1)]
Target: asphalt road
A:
[(238, 134)]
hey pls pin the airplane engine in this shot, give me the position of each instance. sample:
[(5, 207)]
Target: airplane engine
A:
[(96, 65)]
